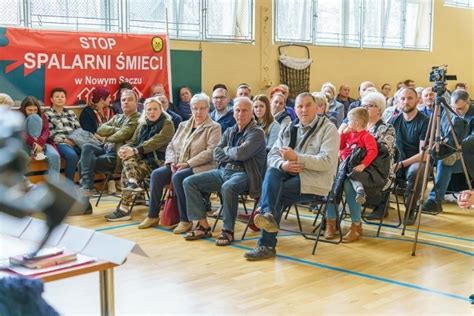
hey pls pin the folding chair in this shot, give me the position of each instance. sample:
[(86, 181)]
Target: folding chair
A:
[(144, 183), (243, 200)]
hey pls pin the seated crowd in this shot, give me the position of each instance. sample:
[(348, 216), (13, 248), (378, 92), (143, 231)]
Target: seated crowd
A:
[(277, 150)]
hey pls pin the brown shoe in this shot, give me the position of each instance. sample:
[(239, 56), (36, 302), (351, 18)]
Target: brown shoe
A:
[(330, 231), (148, 222), (354, 234), (183, 227)]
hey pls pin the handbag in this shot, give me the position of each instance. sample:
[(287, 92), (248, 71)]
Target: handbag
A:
[(81, 137), (170, 215)]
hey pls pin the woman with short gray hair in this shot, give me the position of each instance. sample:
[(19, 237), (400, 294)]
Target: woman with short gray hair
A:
[(189, 152)]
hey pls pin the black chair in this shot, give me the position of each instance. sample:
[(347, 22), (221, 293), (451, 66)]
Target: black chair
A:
[(243, 200), (108, 177), (145, 184), (318, 206)]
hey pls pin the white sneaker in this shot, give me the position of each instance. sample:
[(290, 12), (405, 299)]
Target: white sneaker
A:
[(40, 156), (451, 198), (111, 187)]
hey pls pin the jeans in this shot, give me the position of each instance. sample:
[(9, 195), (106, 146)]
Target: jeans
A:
[(94, 158), (409, 173), (443, 177), (230, 183), (34, 126), (354, 207), (71, 157), (161, 177), (279, 189)]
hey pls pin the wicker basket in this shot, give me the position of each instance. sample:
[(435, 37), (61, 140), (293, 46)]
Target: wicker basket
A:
[(295, 72)]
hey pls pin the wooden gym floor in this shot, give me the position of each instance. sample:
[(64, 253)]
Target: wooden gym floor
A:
[(376, 275)]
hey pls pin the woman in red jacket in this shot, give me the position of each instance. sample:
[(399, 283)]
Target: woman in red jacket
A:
[(37, 134)]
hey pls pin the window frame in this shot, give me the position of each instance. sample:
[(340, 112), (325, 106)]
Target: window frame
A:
[(343, 43)]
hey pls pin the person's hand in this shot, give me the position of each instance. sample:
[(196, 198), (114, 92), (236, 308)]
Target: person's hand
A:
[(292, 167), (173, 167), (181, 166), (37, 147), (99, 138), (125, 152), (69, 142), (397, 167), (288, 154), (359, 168), (466, 199), (348, 130)]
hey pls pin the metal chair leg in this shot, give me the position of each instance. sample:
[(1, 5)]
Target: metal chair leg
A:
[(107, 179)]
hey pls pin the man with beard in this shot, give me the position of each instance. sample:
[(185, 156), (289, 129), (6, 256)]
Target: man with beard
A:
[(411, 128)]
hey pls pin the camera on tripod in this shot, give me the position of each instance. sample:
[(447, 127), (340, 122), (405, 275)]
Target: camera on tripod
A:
[(439, 75)]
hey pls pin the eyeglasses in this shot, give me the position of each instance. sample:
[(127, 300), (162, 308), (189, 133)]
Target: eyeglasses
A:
[(369, 105), (219, 98)]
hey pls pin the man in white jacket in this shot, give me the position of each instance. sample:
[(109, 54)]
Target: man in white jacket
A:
[(301, 165)]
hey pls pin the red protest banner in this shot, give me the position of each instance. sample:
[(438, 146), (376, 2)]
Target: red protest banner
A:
[(80, 61)]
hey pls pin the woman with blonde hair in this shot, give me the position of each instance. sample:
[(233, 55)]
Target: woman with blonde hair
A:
[(142, 154)]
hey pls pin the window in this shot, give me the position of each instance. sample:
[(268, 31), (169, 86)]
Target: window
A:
[(460, 3), (85, 15), (213, 20), (395, 24)]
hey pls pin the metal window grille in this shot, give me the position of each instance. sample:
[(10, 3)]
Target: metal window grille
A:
[(392, 24), (203, 20)]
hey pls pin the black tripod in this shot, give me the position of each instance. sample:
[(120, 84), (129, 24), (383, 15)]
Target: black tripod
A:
[(431, 146)]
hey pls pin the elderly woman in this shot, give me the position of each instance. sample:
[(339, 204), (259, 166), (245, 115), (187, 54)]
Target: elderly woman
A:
[(264, 118), (384, 134), (189, 152), (142, 154), (335, 109)]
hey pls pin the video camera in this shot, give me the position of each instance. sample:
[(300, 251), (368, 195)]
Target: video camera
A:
[(439, 75)]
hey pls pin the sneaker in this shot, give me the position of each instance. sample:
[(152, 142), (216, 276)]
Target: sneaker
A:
[(451, 198), (377, 213), (260, 253), (40, 156), (133, 186), (149, 222), (183, 227), (111, 189), (432, 207), (266, 222), (118, 215)]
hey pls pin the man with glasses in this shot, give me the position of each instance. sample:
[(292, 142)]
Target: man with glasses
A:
[(222, 114)]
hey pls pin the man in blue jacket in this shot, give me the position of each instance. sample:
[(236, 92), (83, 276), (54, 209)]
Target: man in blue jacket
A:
[(222, 114)]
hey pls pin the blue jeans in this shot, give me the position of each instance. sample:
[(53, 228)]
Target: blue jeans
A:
[(443, 177), (279, 189), (94, 158), (230, 183), (71, 158), (34, 126), (354, 207), (409, 173), (161, 177)]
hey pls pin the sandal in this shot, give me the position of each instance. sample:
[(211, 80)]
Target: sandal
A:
[(199, 233), (225, 238)]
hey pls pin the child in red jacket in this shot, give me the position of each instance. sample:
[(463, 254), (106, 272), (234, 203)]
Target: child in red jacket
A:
[(355, 135)]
